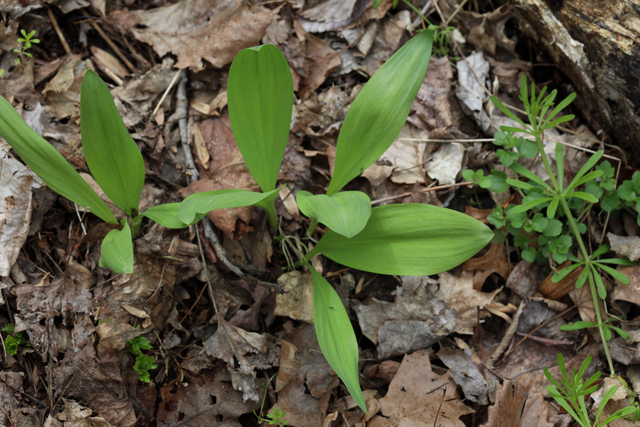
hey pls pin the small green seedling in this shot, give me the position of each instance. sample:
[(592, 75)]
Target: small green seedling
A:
[(570, 393), (276, 416), (27, 41), (13, 340), (143, 363)]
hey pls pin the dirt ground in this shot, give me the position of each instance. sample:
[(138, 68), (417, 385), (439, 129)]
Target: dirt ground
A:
[(462, 348)]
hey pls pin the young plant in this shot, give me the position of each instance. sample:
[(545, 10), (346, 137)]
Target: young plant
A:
[(13, 340), (410, 239), (570, 393), (113, 158), (555, 199), (143, 363), (27, 41), (276, 416)]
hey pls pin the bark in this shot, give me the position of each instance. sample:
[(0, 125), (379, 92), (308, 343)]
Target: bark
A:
[(596, 43)]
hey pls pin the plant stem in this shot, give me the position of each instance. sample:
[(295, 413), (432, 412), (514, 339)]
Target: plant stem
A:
[(312, 226), (583, 250)]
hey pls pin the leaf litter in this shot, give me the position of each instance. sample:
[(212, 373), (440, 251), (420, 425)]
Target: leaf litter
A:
[(215, 362)]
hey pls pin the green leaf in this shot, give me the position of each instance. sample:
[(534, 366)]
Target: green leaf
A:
[(508, 113), (193, 207), (564, 272), (260, 97), (560, 165), (584, 196), (380, 110), (409, 240), (531, 204), (578, 325), (345, 213), (553, 207), (527, 173), (143, 365), (619, 276), (48, 164), (336, 336), (117, 250), (585, 168), (167, 215), (113, 158)]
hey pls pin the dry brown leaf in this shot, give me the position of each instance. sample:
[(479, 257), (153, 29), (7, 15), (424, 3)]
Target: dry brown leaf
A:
[(459, 294), (486, 31), (525, 279), (194, 30), (463, 365), (630, 292), (63, 91), (208, 401), (493, 261), (418, 319), (625, 246), (518, 405), (16, 181), (417, 397), (226, 170), (297, 303)]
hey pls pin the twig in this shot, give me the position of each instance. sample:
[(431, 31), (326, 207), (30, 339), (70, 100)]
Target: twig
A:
[(110, 42), (59, 32), (221, 253), (424, 190), (166, 92)]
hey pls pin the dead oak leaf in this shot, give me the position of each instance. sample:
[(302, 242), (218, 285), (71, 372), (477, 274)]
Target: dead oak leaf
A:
[(518, 405), (198, 29), (459, 293), (493, 261), (418, 397)]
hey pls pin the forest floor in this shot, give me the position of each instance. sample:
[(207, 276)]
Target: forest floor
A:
[(466, 347)]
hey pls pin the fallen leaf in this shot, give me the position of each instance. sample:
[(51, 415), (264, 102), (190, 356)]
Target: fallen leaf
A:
[(417, 397), (630, 292), (493, 261), (626, 247), (418, 319), (459, 294), (470, 89), (465, 373), (297, 303), (16, 182), (525, 279), (445, 164), (518, 405), (194, 30), (486, 31)]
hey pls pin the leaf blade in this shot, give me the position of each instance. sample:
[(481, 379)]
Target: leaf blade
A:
[(260, 98), (336, 336), (116, 251), (48, 163), (111, 154), (409, 240), (346, 212), (378, 113)]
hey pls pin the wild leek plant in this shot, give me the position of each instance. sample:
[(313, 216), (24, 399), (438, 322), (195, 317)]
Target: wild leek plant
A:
[(558, 200), (113, 158), (410, 239)]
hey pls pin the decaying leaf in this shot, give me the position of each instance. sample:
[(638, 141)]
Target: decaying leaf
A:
[(518, 404), (297, 303), (417, 319), (465, 373), (198, 29), (625, 246), (630, 292), (460, 295), (16, 182), (417, 397), (445, 164), (493, 261), (470, 90)]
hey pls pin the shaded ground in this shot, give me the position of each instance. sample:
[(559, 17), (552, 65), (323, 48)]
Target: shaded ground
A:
[(434, 350)]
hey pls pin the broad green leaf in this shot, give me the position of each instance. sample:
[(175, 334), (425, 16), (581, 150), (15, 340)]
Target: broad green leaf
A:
[(345, 213), (117, 250), (409, 240), (260, 97), (380, 110), (167, 215), (113, 158), (193, 207), (336, 336), (48, 163)]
